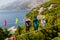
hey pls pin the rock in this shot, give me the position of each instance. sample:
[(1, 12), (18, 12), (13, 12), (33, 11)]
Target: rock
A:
[(39, 16), (50, 6), (41, 10)]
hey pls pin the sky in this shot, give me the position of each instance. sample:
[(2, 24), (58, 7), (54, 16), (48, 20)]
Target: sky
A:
[(17, 4), (4, 2)]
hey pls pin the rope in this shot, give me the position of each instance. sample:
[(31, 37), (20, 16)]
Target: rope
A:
[(10, 23)]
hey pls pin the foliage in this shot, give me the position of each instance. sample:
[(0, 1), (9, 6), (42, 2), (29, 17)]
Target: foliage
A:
[(52, 21), (18, 31), (4, 33)]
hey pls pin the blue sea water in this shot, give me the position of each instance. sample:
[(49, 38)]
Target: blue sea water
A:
[(11, 16)]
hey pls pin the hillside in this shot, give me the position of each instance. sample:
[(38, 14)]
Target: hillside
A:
[(52, 27), (52, 17), (52, 14)]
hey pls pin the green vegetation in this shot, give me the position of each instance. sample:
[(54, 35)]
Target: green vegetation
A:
[(4, 33), (18, 31), (52, 18)]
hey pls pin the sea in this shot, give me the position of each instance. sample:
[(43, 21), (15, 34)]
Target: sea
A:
[(10, 16)]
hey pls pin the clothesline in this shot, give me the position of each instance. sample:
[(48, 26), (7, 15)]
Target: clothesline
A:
[(9, 23), (16, 22)]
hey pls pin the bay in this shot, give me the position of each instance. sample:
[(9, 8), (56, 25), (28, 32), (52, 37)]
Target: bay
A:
[(11, 16)]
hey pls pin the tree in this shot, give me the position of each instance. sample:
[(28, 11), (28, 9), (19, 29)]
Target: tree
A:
[(2, 37), (18, 31), (6, 33)]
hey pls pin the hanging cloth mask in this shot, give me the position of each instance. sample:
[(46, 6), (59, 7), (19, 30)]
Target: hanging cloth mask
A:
[(16, 21), (5, 22), (27, 23), (43, 22), (35, 21)]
